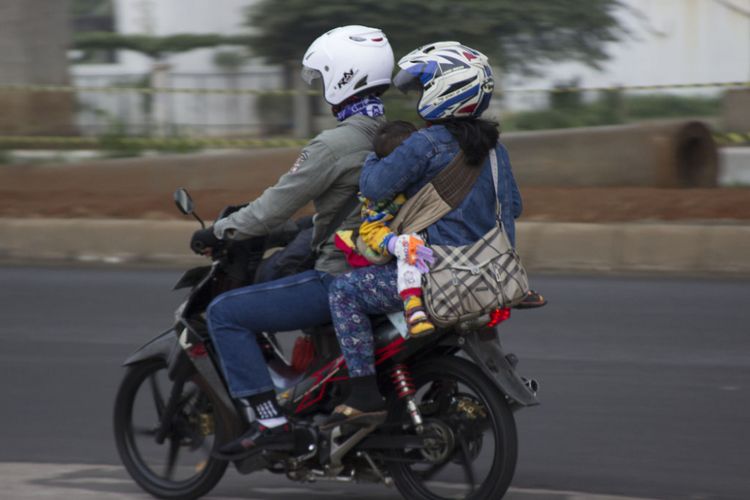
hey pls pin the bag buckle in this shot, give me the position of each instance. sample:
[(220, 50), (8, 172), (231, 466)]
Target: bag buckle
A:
[(496, 271)]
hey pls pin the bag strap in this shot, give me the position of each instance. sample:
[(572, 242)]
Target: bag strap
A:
[(454, 182), (495, 178), (445, 192)]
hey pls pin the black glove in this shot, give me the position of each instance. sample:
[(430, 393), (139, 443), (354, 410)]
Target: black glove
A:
[(203, 239)]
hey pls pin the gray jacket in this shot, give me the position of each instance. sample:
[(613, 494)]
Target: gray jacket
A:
[(326, 173)]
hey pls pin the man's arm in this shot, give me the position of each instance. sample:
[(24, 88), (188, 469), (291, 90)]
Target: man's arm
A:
[(310, 176)]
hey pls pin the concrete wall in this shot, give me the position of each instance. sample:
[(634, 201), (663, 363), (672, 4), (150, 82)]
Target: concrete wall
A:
[(579, 248), (735, 167), (680, 154), (735, 113), (669, 154)]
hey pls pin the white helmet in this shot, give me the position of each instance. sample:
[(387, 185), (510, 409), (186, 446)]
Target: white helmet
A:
[(350, 59), (455, 80)]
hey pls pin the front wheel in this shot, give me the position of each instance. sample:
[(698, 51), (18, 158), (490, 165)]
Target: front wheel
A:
[(181, 465), (472, 446)]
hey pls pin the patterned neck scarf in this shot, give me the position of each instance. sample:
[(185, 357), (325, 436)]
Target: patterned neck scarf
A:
[(370, 106)]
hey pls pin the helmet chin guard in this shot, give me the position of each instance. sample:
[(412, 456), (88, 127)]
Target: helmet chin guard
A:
[(349, 60)]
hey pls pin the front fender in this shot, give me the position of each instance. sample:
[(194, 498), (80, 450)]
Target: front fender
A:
[(490, 357), (166, 346), (161, 347)]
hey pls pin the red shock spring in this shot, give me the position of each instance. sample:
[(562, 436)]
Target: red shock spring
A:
[(402, 381)]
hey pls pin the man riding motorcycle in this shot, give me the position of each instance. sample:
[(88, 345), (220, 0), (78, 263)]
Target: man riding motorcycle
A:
[(355, 64)]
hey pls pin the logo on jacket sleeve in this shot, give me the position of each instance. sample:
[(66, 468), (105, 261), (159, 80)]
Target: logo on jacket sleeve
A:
[(299, 161)]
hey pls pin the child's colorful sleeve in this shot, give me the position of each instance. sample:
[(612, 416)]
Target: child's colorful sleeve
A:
[(375, 217), (374, 235)]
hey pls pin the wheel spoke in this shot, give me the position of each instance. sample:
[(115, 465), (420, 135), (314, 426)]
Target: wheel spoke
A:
[(174, 450), (188, 396), (179, 465), (144, 431), (206, 448), (157, 395), (467, 464), (434, 469)]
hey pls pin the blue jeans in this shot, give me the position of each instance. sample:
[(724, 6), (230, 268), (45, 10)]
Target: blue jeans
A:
[(235, 317)]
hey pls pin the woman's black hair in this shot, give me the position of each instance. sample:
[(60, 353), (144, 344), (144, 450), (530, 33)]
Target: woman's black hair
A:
[(476, 137)]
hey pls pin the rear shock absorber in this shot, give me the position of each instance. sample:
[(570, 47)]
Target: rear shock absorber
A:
[(405, 390)]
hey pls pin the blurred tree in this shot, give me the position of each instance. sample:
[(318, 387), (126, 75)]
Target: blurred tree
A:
[(229, 60), (516, 35)]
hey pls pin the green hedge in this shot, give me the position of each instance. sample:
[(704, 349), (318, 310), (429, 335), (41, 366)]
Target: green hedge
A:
[(610, 108)]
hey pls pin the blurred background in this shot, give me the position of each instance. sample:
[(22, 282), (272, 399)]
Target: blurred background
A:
[(628, 125), (171, 68), (639, 94)]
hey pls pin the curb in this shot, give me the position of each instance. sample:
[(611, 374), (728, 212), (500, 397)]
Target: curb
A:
[(98, 241), (635, 247), (544, 246)]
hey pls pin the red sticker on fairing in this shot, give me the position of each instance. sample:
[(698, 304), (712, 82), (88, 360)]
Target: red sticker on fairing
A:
[(299, 161)]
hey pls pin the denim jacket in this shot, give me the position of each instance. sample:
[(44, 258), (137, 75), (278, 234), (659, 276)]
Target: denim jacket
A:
[(420, 158)]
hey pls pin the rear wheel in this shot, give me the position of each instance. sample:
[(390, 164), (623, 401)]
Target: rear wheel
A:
[(472, 449), (181, 466)]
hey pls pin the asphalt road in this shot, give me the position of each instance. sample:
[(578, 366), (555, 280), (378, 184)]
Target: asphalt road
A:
[(645, 385)]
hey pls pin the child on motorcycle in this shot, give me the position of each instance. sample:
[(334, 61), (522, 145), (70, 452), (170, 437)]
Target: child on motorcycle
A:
[(379, 242)]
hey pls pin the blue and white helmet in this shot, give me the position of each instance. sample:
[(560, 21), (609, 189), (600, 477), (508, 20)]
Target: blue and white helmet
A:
[(455, 80)]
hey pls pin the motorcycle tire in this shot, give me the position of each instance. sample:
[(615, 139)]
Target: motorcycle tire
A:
[(185, 433), (413, 484)]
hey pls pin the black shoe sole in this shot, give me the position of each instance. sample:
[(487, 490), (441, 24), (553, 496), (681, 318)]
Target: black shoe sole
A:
[(532, 305)]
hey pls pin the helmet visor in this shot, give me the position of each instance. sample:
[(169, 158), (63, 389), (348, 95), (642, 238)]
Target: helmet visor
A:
[(405, 81), (309, 75)]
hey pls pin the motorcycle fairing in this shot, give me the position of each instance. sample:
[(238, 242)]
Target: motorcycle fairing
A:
[(488, 354), (192, 277), (163, 346)]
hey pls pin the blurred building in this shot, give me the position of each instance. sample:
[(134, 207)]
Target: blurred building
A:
[(161, 18), (196, 114), (670, 42)]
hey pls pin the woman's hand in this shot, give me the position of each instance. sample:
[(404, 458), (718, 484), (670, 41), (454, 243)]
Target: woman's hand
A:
[(411, 248)]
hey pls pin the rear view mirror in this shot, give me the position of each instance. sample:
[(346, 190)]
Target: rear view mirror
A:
[(185, 204), (183, 201)]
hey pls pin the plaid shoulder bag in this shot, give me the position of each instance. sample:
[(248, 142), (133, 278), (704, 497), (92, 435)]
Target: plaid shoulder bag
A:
[(466, 283)]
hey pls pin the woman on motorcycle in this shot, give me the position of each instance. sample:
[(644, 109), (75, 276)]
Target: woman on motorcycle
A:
[(456, 86), (355, 64)]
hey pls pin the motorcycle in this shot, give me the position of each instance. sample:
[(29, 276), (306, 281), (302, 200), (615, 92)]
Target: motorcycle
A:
[(451, 398)]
